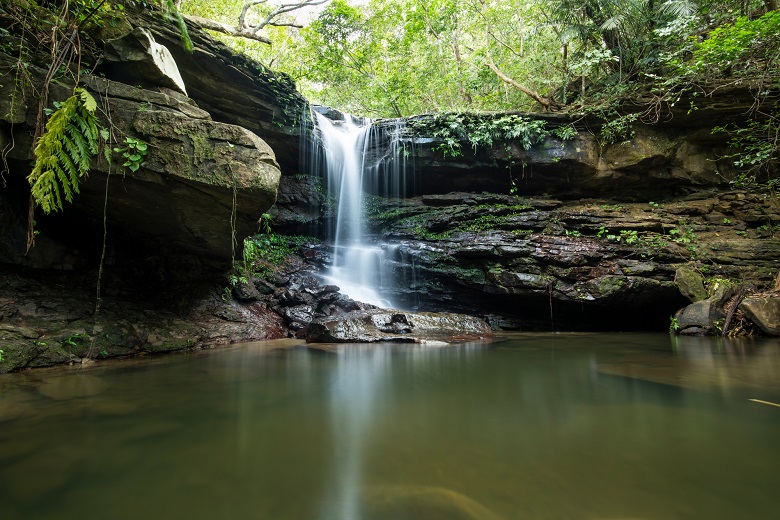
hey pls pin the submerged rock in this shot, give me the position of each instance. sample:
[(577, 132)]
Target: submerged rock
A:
[(379, 325), (72, 386), (423, 503)]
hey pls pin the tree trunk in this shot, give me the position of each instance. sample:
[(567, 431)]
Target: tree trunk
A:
[(546, 103)]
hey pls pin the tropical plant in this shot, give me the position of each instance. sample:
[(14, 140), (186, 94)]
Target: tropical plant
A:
[(64, 152)]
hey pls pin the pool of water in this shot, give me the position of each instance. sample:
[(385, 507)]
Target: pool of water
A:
[(581, 426)]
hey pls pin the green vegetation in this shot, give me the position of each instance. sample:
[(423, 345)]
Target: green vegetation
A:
[(621, 61), (264, 251), (133, 152), (173, 14), (483, 130), (64, 152), (674, 325)]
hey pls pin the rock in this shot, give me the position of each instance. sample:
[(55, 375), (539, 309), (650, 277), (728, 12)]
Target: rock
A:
[(232, 87), (690, 283), (302, 314), (137, 59), (378, 325), (701, 317), (764, 311), (197, 177), (246, 291)]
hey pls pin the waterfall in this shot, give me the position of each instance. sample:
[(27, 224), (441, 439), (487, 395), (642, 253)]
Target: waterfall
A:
[(361, 268)]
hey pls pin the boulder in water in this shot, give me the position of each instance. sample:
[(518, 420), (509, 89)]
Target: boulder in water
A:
[(379, 325), (764, 311)]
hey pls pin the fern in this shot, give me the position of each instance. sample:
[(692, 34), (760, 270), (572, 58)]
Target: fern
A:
[(65, 151)]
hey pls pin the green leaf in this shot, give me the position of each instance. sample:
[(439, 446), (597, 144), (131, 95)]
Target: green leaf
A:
[(87, 100)]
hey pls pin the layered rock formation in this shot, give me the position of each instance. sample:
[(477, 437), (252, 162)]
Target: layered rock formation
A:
[(591, 239), (164, 235)]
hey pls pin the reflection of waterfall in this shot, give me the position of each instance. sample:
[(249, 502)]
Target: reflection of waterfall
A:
[(356, 388), (361, 268)]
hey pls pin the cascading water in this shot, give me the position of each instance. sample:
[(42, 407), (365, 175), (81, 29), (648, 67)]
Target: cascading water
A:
[(360, 267)]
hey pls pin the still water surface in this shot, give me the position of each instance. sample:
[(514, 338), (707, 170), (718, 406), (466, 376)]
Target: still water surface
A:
[(561, 426)]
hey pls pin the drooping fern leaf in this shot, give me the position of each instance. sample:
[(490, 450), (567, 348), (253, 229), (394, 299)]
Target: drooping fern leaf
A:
[(65, 151)]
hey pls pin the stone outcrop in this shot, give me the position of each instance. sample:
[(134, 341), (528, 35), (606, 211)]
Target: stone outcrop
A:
[(383, 325), (690, 283), (137, 59), (549, 263), (197, 172), (48, 318), (138, 262), (231, 87), (657, 162), (706, 316)]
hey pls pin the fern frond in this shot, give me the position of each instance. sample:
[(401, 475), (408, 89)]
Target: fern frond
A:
[(64, 183), (43, 191), (87, 101), (93, 137), (69, 166), (78, 148), (64, 152)]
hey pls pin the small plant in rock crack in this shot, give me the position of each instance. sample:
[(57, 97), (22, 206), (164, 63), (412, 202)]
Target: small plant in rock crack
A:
[(133, 153), (674, 325)]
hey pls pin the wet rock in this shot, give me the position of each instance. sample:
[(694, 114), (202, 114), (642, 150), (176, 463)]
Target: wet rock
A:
[(302, 314), (690, 283), (705, 316), (378, 325), (764, 311)]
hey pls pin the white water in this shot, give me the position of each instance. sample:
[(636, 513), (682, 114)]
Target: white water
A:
[(358, 266)]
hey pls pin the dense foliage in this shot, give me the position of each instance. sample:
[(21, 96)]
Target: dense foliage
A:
[(400, 57)]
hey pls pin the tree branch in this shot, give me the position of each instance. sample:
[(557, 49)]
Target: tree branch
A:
[(255, 31), (230, 30), (285, 8), (545, 102), (525, 90)]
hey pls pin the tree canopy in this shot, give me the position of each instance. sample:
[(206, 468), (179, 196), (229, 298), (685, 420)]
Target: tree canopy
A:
[(388, 58)]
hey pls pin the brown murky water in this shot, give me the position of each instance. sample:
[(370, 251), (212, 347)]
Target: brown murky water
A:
[(596, 427)]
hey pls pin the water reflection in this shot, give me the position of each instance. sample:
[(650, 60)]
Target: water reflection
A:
[(720, 364)]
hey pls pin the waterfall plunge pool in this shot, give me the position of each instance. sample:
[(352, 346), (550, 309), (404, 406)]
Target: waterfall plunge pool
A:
[(542, 426)]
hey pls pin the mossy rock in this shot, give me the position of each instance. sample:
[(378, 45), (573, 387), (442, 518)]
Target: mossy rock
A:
[(690, 283)]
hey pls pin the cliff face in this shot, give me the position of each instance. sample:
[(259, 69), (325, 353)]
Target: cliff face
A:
[(172, 226), (565, 234)]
